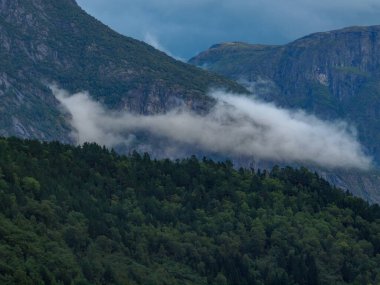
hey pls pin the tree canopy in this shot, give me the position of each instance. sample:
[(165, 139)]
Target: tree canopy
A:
[(86, 215)]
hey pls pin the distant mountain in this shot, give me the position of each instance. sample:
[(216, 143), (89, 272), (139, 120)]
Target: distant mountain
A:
[(335, 75), (46, 41)]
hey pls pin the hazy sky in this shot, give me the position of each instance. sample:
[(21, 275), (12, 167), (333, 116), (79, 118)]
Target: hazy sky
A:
[(185, 27)]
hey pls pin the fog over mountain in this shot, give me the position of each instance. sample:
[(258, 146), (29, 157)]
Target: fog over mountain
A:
[(235, 126), (56, 41)]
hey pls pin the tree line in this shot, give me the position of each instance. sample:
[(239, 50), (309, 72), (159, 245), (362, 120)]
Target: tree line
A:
[(86, 215)]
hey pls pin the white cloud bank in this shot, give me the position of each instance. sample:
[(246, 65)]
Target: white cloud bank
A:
[(236, 126)]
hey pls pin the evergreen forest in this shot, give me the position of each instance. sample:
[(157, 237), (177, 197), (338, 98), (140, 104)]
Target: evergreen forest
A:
[(87, 215)]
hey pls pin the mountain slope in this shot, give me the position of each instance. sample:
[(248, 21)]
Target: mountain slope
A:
[(49, 41), (85, 215), (334, 74)]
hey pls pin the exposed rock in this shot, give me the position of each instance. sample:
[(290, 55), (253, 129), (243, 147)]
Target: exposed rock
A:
[(335, 75), (50, 41)]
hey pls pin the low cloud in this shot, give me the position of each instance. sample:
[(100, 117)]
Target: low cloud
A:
[(237, 126)]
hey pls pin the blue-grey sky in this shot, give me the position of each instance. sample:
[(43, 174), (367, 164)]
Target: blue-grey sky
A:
[(183, 28)]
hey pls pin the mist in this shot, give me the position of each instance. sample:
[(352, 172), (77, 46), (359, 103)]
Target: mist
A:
[(237, 126)]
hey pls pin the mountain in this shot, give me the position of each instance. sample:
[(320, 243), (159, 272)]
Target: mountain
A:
[(85, 215), (49, 41), (45, 42), (335, 75)]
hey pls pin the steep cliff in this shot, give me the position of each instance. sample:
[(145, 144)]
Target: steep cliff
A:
[(50, 41), (334, 74)]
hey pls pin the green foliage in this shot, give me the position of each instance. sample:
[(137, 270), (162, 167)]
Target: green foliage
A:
[(85, 215), (31, 184)]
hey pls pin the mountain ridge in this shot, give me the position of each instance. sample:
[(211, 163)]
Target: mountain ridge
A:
[(334, 75), (45, 41), (330, 74)]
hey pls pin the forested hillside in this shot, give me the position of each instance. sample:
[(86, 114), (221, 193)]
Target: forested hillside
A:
[(85, 215)]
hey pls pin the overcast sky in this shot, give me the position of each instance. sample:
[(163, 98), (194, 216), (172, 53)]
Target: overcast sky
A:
[(183, 28)]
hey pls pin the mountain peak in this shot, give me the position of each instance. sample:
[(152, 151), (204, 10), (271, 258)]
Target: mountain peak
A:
[(342, 64), (334, 75), (57, 42), (348, 32)]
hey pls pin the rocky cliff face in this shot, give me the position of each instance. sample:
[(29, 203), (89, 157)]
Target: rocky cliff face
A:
[(50, 41), (335, 75)]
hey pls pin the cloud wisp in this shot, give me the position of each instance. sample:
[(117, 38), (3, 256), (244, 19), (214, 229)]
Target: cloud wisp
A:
[(237, 126), (150, 39)]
